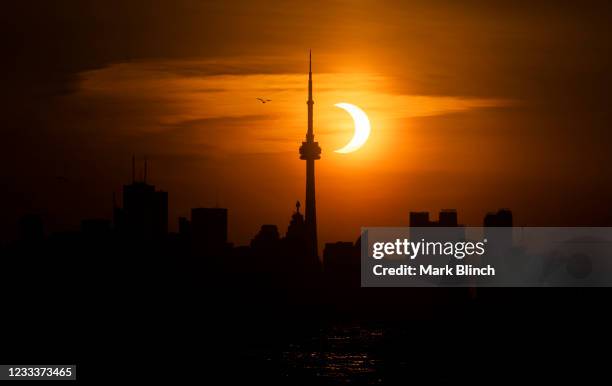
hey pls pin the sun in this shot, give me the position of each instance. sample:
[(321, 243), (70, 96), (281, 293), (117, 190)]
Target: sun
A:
[(362, 128)]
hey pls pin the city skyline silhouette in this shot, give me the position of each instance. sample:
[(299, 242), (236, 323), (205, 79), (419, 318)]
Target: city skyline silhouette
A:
[(498, 121), (144, 214), (172, 212)]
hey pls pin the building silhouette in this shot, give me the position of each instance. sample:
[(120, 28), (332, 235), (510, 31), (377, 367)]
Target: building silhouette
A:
[(310, 151), (447, 218), (184, 227), (498, 230), (341, 264), (208, 230), (266, 252), (145, 210), (267, 239), (297, 237), (450, 230), (501, 218), (419, 219)]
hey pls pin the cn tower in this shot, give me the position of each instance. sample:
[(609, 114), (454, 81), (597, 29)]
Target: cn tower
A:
[(310, 151)]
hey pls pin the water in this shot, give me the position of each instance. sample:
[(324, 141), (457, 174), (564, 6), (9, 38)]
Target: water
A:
[(348, 354)]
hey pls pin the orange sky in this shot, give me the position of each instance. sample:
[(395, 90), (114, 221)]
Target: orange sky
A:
[(253, 165), (473, 106)]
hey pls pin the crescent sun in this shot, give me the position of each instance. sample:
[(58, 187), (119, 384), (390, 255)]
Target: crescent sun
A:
[(362, 128)]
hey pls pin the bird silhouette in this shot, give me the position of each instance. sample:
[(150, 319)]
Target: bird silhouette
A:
[(264, 100)]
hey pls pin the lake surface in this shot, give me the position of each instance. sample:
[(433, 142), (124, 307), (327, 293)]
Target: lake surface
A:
[(340, 354)]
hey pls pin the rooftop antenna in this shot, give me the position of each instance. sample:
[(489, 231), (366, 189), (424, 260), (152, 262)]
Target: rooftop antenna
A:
[(133, 169), (297, 206)]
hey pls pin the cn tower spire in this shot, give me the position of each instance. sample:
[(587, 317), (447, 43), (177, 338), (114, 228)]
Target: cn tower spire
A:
[(310, 134), (310, 151)]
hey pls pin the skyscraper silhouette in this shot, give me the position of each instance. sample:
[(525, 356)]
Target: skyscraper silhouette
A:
[(296, 232), (310, 151), (145, 210)]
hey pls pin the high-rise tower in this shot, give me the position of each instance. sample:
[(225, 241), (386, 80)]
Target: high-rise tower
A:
[(310, 151)]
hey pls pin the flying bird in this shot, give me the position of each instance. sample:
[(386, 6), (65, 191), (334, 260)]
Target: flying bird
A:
[(264, 100)]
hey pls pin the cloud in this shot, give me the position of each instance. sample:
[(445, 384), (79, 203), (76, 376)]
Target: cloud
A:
[(160, 99)]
